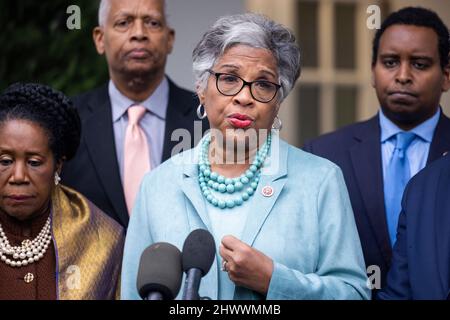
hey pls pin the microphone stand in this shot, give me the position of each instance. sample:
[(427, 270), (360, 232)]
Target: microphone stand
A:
[(192, 284)]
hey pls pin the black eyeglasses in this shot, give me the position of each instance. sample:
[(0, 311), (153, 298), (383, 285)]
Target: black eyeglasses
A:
[(230, 85)]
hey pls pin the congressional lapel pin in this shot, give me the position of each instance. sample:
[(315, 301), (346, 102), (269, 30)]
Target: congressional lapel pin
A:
[(267, 191)]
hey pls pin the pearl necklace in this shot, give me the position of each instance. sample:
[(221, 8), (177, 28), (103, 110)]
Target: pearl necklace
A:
[(248, 181), (29, 251)]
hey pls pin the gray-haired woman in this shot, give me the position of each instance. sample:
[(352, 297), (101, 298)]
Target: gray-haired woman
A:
[(281, 218)]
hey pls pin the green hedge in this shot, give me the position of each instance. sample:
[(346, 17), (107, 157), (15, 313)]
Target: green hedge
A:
[(37, 46)]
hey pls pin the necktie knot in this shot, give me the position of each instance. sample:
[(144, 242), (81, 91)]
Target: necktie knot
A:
[(404, 139), (135, 114)]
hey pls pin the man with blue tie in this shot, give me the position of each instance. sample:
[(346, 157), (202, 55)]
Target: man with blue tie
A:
[(410, 71)]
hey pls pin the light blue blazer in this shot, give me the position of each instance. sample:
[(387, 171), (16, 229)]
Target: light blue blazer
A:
[(306, 227)]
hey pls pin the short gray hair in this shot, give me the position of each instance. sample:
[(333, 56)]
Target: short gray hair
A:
[(256, 31), (103, 10), (105, 6)]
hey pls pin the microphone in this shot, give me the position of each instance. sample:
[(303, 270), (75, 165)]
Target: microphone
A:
[(199, 251), (160, 273)]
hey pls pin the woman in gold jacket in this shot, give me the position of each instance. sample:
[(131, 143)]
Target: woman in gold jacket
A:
[(54, 243)]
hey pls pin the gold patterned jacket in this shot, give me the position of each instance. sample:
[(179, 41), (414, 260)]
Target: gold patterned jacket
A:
[(89, 248)]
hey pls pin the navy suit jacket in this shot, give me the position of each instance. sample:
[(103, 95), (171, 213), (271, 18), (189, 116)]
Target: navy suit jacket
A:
[(421, 259), (357, 150), (94, 171)]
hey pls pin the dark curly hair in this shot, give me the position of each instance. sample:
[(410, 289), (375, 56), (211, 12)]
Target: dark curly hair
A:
[(48, 108), (420, 17)]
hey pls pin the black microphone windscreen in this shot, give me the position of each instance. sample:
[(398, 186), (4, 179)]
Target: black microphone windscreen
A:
[(199, 251), (160, 271)]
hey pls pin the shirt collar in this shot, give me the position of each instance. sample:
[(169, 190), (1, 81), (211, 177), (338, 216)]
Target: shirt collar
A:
[(156, 103), (425, 130)]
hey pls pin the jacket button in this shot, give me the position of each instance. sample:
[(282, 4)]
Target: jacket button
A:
[(29, 277)]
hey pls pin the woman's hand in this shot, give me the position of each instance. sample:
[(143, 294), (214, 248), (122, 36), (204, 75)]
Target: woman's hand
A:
[(246, 266)]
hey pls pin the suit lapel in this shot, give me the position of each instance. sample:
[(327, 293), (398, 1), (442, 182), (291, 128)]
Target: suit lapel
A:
[(441, 139), (366, 160), (178, 116), (191, 189), (258, 215), (101, 147), (273, 176)]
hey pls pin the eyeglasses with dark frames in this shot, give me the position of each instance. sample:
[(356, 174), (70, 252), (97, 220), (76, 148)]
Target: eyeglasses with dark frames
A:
[(230, 85)]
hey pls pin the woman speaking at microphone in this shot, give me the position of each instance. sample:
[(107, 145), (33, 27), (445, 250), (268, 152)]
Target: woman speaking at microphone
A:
[(280, 217)]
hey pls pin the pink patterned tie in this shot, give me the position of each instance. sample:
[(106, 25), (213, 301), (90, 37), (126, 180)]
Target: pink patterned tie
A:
[(136, 157)]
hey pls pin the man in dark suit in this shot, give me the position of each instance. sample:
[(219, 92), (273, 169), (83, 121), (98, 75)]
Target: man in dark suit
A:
[(421, 256), (410, 72), (136, 40)]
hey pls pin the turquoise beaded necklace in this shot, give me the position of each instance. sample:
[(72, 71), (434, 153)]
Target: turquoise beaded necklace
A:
[(245, 185)]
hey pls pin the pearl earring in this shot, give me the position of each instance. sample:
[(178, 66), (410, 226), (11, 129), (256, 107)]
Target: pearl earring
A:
[(57, 178)]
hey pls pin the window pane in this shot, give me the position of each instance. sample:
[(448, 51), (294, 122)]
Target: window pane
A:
[(345, 105), (307, 32), (309, 112), (344, 35)]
